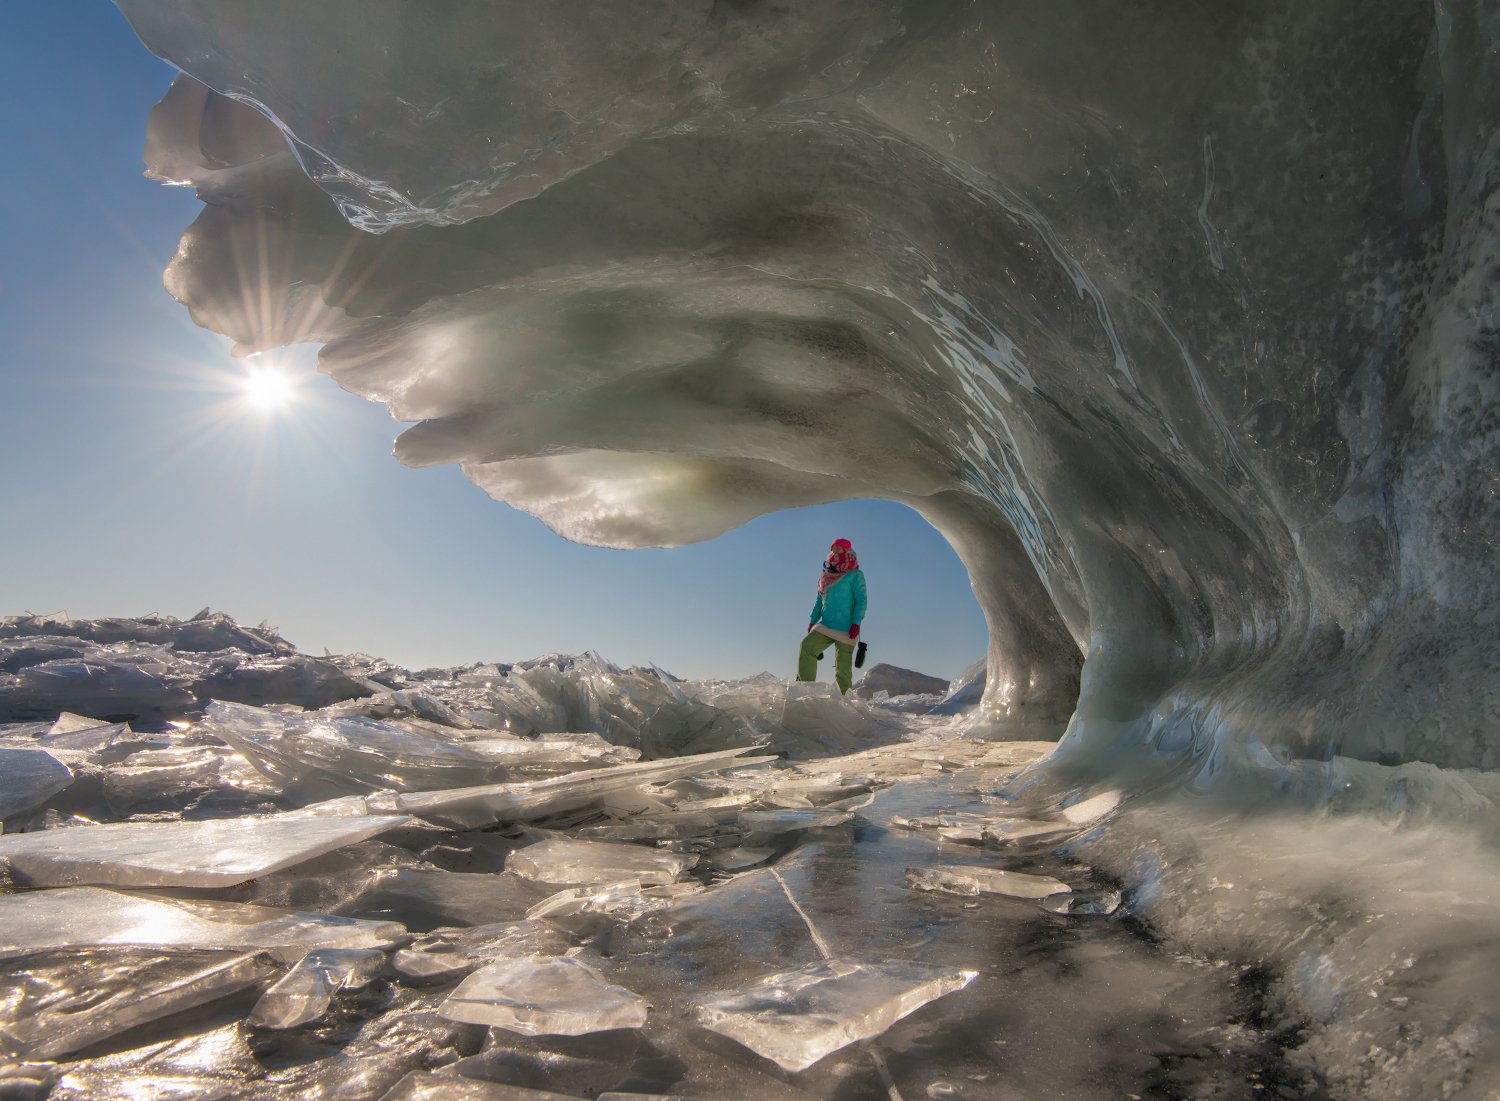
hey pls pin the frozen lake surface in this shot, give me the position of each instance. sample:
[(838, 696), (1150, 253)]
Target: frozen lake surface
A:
[(833, 902)]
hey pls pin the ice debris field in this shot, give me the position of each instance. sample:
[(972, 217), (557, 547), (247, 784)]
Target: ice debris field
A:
[(239, 871), (232, 870), (1177, 321)]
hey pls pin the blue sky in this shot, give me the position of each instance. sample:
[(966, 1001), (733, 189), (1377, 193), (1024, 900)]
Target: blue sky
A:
[(137, 478)]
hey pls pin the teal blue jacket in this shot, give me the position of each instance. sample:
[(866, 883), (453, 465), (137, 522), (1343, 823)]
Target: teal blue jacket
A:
[(843, 605)]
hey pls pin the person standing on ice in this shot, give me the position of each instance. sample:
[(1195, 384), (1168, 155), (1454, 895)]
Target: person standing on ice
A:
[(836, 616)]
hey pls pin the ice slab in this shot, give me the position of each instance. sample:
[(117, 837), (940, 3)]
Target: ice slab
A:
[(622, 901), (1002, 830), (794, 1018), (102, 685), (453, 952), (788, 819), (69, 723), (53, 1003), (154, 775), (964, 879), (180, 854), (86, 917), (544, 996), (492, 804), (1078, 903), (562, 860), (318, 757), (28, 778), (304, 993), (978, 828)]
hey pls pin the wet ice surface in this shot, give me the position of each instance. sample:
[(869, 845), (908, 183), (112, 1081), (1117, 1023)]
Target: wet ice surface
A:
[(256, 901), (179, 854)]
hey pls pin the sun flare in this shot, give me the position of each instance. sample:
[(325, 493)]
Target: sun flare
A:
[(268, 389)]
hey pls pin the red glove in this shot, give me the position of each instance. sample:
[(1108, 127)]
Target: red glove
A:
[(854, 631), (809, 628)]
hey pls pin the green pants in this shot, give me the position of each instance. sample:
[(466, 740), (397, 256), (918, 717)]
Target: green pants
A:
[(843, 662)]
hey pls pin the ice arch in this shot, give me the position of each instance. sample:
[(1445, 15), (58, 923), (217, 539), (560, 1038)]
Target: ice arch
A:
[(1179, 324)]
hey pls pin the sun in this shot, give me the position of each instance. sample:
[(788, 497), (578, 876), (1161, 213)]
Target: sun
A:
[(268, 389)]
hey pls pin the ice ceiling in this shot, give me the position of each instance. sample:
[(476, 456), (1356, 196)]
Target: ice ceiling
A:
[(1178, 321)]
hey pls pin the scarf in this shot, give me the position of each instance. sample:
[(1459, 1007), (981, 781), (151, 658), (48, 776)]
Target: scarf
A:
[(840, 561)]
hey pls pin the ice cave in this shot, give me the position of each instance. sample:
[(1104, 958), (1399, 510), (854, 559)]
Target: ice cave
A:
[(1179, 322)]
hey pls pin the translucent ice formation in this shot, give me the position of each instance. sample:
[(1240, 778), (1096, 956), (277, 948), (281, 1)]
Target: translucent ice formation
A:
[(180, 854), (57, 1002), (566, 862), (486, 805), (967, 879), (1082, 902), (305, 993), (550, 995), (28, 777), (86, 917), (795, 1018), (316, 757)]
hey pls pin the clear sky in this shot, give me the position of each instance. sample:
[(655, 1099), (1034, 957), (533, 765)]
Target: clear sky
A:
[(137, 477)]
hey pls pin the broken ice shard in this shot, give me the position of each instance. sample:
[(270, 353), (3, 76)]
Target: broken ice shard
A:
[(795, 1018), (453, 952), (544, 996), (787, 820), (304, 993), (180, 854), (157, 774), (491, 804), (86, 917), (964, 879), (624, 901), (1078, 903), (53, 1002), (564, 861), (28, 778), (317, 757)]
